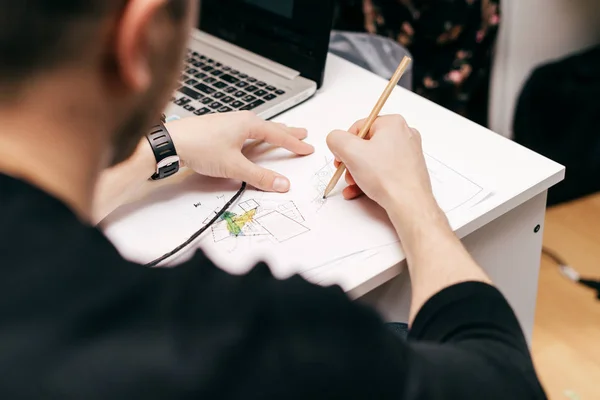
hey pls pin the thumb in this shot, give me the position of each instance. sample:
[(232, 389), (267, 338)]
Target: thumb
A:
[(344, 145), (261, 178)]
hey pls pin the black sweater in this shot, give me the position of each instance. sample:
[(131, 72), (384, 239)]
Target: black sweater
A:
[(77, 321)]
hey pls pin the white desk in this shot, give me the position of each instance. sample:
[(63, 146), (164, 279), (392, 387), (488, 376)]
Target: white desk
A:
[(499, 231)]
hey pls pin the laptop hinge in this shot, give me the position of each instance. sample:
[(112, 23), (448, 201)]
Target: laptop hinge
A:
[(245, 55)]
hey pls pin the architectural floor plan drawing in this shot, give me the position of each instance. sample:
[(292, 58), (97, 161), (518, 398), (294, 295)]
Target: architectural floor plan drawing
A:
[(320, 180), (279, 221)]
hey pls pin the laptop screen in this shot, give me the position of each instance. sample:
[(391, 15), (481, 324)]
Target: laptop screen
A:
[(285, 8), (294, 33)]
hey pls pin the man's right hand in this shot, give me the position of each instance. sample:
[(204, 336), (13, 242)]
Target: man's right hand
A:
[(389, 168)]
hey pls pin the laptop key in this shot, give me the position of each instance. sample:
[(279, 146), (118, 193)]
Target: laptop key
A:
[(189, 108), (210, 61), (270, 97), (216, 105), (234, 72), (191, 71), (230, 89), (205, 89), (220, 85), (191, 82), (202, 57), (242, 84), (197, 64), (251, 89), (271, 88), (190, 93), (229, 79), (226, 68), (280, 92), (252, 106), (183, 101), (219, 95), (239, 94), (216, 72), (227, 99), (261, 84), (237, 104), (251, 79), (225, 109), (210, 80), (200, 75), (202, 111), (206, 100), (207, 68), (243, 76), (261, 93), (249, 99)]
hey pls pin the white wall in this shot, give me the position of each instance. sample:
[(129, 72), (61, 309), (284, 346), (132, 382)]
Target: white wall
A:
[(532, 33)]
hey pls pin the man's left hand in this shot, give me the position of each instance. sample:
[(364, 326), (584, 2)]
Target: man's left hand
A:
[(212, 146)]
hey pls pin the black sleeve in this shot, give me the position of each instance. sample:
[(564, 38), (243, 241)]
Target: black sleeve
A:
[(290, 339), (466, 343), (468, 340)]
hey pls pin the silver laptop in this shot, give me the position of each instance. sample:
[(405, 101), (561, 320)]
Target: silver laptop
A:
[(265, 56)]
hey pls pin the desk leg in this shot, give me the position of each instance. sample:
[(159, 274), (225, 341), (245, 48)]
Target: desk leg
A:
[(508, 249)]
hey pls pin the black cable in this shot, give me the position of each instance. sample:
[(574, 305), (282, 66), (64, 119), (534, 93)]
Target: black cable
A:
[(201, 231), (570, 273), (554, 257)]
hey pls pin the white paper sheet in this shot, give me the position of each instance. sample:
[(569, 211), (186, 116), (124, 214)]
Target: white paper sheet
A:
[(294, 232)]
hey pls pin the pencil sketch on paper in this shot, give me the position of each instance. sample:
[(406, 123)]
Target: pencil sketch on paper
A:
[(279, 221), (320, 180)]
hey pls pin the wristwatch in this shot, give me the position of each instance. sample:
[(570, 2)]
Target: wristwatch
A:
[(167, 160)]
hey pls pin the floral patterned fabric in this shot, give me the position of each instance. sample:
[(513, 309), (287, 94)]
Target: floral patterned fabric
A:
[(451, 41)]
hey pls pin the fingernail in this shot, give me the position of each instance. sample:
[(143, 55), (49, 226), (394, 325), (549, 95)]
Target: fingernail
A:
[(281, 185)]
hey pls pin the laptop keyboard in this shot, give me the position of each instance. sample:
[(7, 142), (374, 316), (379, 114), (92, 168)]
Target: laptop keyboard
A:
[(207, 87)]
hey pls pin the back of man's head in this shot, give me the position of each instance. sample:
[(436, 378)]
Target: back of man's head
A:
[(109, 64), (39, 35)]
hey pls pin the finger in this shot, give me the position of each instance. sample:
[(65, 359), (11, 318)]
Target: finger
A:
[(277, 135), (416, 134), (350, 179), (352, 192), (381, 121), (259, 177), (357, 126), (298, 133), (344, 145)]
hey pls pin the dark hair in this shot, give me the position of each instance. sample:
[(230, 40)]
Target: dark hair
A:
[(40, 34)]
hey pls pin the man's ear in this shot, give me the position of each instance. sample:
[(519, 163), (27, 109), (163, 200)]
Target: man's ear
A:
[(133, 42)]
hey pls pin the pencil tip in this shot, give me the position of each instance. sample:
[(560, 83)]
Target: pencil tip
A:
[(324, 197)]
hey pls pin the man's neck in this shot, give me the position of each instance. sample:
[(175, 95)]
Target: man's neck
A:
[(53, 144)]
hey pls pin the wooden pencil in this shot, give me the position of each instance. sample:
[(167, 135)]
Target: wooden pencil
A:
[(374, 114)]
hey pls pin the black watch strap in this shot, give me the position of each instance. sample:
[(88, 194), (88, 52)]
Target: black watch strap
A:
[(167, 160)]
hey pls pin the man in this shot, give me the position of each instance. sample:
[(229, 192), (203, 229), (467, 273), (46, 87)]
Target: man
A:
[(80, 80)]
